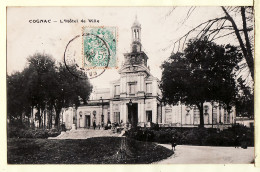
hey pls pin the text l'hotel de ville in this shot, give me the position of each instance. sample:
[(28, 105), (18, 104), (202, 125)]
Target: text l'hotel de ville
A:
[(64, 21)]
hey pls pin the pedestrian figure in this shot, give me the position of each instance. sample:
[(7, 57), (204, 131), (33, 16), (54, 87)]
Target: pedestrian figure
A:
[(109, 125), (237, 142), (94, 125), (173, 142), (99, 125), (244, 142), (121, 153)]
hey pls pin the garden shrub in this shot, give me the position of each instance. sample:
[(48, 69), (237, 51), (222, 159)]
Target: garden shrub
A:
[(140, 134), (15, 132), (193, 136)]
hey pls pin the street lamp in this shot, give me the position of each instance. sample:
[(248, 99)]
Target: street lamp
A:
[(181, 115), (130, 102), (232, 116), (144, 97), (214, 106), (102, 115), (74, 111), (130, 113)]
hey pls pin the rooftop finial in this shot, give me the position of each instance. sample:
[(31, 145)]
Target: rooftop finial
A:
[(136, 23)]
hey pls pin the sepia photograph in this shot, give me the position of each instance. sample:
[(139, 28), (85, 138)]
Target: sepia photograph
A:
[(130, 85)]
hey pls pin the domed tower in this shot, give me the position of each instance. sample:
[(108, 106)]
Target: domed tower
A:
[(136, 55), (135, 86), (136, 45)]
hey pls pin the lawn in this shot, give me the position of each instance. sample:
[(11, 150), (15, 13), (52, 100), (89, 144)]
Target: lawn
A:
[(100, 150)]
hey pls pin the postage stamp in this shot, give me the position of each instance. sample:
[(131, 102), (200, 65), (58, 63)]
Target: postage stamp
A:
[(89, 54), (99, 47)]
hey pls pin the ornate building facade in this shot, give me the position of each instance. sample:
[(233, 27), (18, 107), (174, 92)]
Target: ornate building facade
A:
[(135, 98)]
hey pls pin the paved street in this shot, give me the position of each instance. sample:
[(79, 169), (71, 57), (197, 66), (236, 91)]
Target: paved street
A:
[(185, 154)]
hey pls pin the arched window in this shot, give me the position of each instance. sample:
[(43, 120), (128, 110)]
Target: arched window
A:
[(196, 115), (134, 49), (206, 108), (206, 114), (80, 114), (220, 115)]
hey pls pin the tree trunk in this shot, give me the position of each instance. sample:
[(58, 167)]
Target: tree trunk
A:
[(200, 106), (44, 120), (249, 58), (39, 116), (57, 117), (228, 112), (21, 118), (246, 50), (50, 123), (32, 118)]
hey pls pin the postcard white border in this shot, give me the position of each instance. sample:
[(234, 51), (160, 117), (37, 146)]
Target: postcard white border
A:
[(115, 168)]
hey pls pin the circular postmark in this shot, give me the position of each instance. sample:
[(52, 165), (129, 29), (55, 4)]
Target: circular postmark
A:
[(89, 55)]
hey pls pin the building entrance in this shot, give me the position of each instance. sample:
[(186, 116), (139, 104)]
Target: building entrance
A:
[(133, 114), (87, 121)]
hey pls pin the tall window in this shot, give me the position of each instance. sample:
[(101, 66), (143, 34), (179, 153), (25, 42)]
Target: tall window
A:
[(117, 117), (149, 87), (220, 115), (225, 116), (228, 118), (117, 91), (215, 115), (94, 115), (108, 116), (196, 115), (206, 114), (149, 116), (168, 116), (131, 88)]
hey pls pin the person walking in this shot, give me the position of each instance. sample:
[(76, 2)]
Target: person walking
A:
[(173, 142), (244, 142), (237, 141), (94, 125)]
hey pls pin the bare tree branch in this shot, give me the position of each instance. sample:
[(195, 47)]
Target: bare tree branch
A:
[(248, 58), (191, 9), (218, 30), (169, 13), (214, 29), (207, 23), (223, 35)]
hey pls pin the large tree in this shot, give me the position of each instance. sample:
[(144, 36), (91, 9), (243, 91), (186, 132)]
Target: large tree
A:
[(70, 90), (45, 86), (237, 21), (202, 73), (17, 102), (39, 78)]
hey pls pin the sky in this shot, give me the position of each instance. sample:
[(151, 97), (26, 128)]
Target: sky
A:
[(161, 26)]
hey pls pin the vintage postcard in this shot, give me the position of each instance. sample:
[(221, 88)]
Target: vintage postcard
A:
[(130, 85)]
